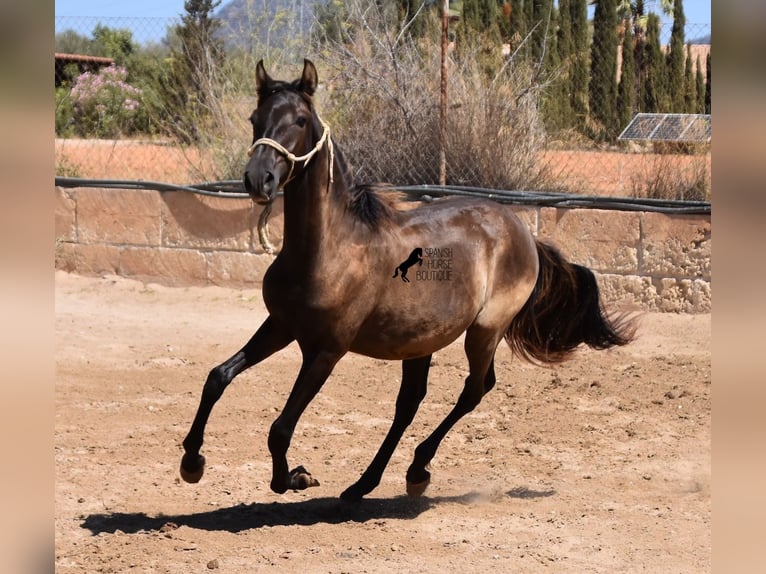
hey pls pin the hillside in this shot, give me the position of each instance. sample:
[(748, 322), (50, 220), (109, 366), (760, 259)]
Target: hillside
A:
[(274, 23)]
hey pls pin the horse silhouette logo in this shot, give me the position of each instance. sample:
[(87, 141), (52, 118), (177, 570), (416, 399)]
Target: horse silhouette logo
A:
[(415, 257)]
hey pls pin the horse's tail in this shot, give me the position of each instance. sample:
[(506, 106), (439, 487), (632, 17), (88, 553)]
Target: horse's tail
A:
[(396, 272), (563, 311)]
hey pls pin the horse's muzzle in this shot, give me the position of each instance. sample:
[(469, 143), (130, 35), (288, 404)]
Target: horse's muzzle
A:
[(261, 187)]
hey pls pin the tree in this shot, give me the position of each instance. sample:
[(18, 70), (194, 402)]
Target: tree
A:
[(579, 11), (627, 88), (654, 95), (114, 43), (699, 107), (196, 57), (602, 88), (517, 28), (676, 59), (479, 28), (540, 27), (71, 42), (690, 85), (708, 85), (565, 47)]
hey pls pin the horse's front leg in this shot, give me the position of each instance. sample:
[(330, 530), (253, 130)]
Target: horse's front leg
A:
[(267, 340), (314, 372), (411, 393)]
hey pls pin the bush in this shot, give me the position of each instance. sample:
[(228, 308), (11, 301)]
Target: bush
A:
[(104, 104), (64, 115), (384, 87)]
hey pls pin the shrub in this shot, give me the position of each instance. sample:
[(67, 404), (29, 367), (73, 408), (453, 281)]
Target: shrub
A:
[(64, 115), (104, 104), (384, 91)]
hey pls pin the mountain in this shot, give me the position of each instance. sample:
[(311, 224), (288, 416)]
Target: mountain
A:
[(701, 40), (281, 24)]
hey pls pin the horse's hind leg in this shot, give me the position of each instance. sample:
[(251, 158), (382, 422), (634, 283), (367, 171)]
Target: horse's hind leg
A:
[(480, 347), (267, 340), (411, 393)]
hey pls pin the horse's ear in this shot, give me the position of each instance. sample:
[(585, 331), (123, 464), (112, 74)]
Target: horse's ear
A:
[(309, 79), (262, 79)]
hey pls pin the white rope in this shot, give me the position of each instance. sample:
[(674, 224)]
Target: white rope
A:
[(292, 158)]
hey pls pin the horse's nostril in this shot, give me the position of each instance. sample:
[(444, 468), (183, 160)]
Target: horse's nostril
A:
[(269, 177)]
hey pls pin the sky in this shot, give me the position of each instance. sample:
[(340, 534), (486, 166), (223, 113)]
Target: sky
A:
[(696, 11)]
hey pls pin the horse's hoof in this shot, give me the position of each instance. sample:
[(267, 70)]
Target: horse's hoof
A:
[(416, 489), (352, 494), (301, 479), (193, 476)]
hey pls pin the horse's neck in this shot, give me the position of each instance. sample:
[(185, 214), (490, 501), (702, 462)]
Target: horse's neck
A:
[(314, 215)]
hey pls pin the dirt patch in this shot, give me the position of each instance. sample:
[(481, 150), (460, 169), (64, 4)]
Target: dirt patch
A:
[(599, 465)]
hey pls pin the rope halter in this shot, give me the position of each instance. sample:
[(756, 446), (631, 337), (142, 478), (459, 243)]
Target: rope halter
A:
[(292, 158)]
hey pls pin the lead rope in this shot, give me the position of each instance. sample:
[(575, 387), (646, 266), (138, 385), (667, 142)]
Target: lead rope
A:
[(263, 220)]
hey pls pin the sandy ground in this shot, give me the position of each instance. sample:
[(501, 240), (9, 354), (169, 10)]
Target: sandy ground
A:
[(599, 465)]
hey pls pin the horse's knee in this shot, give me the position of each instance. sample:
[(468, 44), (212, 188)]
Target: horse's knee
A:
[(279, 438), (215, 384)]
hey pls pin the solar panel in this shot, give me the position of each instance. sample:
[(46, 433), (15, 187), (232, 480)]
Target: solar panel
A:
[(668, 128)]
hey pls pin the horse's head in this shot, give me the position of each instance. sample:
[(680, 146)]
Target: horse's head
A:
[(285, 137)]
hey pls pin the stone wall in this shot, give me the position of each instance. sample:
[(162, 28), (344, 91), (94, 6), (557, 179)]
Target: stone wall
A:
[(659, 262)]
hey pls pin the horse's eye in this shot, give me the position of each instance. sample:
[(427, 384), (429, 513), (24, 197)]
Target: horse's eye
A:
[(301, 121)]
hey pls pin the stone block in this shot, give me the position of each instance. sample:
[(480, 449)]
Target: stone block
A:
[(235, 269), (167, 266), (87, 259), (118, 216), (626, 291), (676, 246), (684, 296), (65, 219), (202, 222), (604, 241)]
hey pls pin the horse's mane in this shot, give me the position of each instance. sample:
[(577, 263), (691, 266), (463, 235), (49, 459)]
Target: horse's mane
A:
[(368, 205), (365, 201)]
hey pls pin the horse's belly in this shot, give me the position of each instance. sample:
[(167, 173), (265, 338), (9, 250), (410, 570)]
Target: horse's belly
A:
[(391, 335)]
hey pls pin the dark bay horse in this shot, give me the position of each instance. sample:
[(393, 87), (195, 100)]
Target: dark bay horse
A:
[(502, 284)]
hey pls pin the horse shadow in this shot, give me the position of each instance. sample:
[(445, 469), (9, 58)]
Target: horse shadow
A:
[(415, 257), (253, 516)]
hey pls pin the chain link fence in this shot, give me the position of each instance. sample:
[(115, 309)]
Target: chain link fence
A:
[(128, 107)]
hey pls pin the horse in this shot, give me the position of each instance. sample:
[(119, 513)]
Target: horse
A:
[(504, 285), (415, 257)]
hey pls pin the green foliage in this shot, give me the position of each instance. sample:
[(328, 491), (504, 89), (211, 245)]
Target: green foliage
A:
[(114, 43), (708, 83), (654, 94), (676, 87), (196, 58), (627, 88), (602, 89), (71, 42), (64, 113), (690, 85), (580, 71), (700, 88), (478, 34)]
